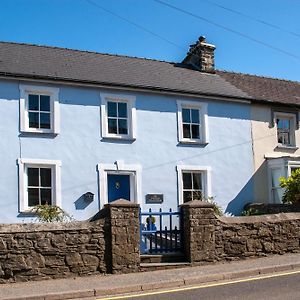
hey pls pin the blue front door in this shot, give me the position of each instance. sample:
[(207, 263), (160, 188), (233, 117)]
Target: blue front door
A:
[(118, 187)]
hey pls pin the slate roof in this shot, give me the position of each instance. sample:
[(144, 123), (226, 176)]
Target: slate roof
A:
[(265, 88), (44, 62)]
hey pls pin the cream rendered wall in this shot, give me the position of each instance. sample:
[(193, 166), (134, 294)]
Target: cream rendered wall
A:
[(265, 146)]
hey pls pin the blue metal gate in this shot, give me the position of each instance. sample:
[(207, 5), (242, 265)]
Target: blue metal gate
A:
[(160, 232)]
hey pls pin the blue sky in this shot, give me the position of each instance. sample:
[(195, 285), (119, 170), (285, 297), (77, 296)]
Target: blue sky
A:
[(79, 24)]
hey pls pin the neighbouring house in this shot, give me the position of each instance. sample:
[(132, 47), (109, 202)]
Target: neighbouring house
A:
[(275, 131), (80, 129)]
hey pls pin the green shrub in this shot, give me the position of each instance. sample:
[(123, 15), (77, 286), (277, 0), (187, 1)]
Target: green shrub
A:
[(50, 213), (292, 188), (251, 212), (217, 208), (152, 220)]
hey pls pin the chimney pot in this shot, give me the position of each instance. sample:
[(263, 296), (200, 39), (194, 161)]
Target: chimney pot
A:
[(202, 39)]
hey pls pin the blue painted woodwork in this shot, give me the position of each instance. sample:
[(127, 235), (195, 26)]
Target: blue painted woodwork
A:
[(163, 236), (118, 187)]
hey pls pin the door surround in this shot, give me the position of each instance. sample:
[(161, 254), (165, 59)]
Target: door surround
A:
[(134, 172)]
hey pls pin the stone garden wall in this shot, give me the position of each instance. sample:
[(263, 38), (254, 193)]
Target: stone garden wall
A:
[(34, 251), (242, 237), (210, 238), (109, 244)]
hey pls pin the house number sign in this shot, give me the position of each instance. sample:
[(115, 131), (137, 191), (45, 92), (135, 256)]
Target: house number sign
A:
[(154, 198)]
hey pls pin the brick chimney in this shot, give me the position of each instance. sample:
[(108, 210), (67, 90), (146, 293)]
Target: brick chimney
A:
[(201, 56)]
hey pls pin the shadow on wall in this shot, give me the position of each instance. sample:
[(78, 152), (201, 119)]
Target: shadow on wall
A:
[(236, 206), (256, 187)]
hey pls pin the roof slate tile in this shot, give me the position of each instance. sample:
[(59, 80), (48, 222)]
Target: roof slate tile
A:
[(54, 63)]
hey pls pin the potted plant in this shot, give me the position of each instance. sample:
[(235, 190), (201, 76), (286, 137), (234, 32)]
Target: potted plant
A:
[(151, 223)]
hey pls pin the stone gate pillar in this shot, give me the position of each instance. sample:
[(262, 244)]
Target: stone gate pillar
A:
[(198, 231), (125, 236)]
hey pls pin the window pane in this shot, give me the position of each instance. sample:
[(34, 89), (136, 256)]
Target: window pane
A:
[(33, 197), (45, 177), (111, 109), (45, 120), (283, 123), (186, 115), (195, 132), (123, 126), (197, 181), (197, 195), (33, 120), (33, 176), (112, 126), (45, 103), (33, 102), (195, 116), (122, 109), (187, 196), (293, 169), (187, 180), (46, 196), (186, 131), (278, 122), (280, 138), (283, 137)]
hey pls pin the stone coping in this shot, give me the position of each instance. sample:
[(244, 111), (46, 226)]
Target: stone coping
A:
[(272, 218), (121, 203), (198, 203), (38, 227)]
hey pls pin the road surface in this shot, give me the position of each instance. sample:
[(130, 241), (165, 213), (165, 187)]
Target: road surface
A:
[(283, 287)]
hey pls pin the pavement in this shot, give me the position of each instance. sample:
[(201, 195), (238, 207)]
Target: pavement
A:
[(108, 285)]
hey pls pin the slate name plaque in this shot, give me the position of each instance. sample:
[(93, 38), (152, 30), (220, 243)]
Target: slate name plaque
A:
[(154, 198)]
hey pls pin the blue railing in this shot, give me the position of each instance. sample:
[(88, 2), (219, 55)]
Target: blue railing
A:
[(160, 232)]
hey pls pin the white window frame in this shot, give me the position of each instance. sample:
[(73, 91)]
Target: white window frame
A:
[(292, 117), (202, 107), (291, 165), (275, 165), (131, 115), (119, 168), (206, 179), (24, 164), (25, 90)]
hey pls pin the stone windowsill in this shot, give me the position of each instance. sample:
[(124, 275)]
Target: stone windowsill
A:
[(286, 148)]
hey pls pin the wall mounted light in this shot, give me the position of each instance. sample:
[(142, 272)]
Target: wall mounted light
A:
[(88, 197)]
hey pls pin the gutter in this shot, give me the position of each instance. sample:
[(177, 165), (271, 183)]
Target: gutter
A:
[(148, 89)]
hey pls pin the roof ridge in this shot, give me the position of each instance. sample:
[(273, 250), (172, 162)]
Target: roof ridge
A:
[(87, 51), (259, 76)]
